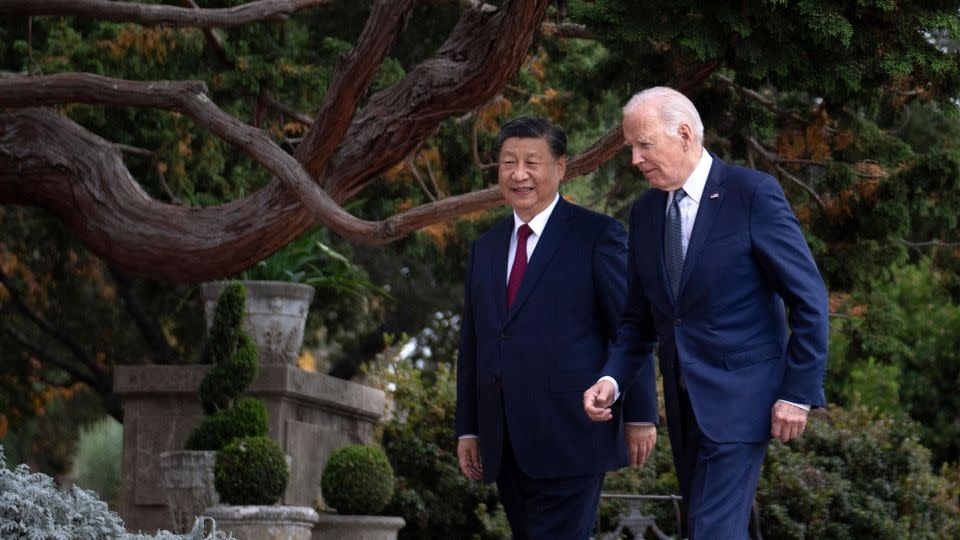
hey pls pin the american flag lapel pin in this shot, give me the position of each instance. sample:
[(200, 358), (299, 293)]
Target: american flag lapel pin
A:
[(715, 196)]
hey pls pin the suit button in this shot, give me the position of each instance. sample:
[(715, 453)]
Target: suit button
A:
[(676, 322), (504, 334)]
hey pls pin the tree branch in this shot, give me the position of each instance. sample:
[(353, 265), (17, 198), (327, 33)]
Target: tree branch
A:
[(757, 97), (484, 51), (433, 180), (475, 146), (190, 99), (50, 358), (416, 174), (929, 243), (566, 30), (81, 177), (350, 80), (772, 158), (596, 154), (701, 75), (48, 328), (155, 14), (160, 349)]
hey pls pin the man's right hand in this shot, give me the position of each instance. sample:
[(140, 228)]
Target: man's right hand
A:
[(468, 452), (597, 401)]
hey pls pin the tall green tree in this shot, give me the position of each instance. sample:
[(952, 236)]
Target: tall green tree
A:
[(188, 142)]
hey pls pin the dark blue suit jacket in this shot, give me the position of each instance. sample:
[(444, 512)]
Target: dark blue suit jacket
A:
[(531, 365), (746, 258)]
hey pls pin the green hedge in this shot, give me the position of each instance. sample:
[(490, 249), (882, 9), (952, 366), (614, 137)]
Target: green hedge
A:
[(251, 470), (432, 496), (357, 480)]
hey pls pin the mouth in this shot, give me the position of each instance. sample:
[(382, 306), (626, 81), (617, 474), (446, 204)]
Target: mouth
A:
[(522, 190)]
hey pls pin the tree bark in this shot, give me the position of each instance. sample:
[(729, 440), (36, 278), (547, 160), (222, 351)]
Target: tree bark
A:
[(154, 14), (81, 177)]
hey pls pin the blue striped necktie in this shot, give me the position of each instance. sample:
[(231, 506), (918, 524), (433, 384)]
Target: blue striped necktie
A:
[(673, 243)]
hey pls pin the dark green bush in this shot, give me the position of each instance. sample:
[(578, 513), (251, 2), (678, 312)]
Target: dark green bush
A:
[(251, 470), (230, 376), (248, 418), (357, 480), (234, 356), (856, 474), (432, 495)]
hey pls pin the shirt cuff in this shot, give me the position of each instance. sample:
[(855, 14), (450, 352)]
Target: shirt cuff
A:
[(616, 388), (803, 406), (468, 436)]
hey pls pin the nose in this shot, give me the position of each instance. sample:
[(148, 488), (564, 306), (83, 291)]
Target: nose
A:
[(636, 157), (520, 173)]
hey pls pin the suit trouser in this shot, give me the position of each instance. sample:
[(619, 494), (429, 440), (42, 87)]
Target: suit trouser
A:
[(717, 480), (547, 509)]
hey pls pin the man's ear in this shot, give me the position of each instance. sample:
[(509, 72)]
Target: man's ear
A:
[(562, 166), (686, 135)]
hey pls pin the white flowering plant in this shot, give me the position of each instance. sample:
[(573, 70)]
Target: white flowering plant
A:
[(32, 507)]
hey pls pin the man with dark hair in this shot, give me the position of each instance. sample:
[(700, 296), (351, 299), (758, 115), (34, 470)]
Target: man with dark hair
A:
[(543, 294), (716, 254)]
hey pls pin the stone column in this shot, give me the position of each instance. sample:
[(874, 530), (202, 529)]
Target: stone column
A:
[(310, 415)]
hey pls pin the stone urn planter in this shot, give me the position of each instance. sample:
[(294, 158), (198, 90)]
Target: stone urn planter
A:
[(187, 478), (276, 315), (338, 527), (265, 522)]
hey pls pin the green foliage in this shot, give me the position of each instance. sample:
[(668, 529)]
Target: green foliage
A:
[(47, 442), (856, 474), (230, 374), (357, 480), (251, 471), (96, 465), (247, 418), (432, 495), (902, 349), (822, 48), (227, 319), (311, 261), (235, 366)]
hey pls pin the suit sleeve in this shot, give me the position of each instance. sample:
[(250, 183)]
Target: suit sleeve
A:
[(782, 253), (630, 361), (466, 415)]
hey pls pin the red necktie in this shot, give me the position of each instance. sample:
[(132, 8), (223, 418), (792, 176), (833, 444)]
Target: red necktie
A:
[(519, 263)]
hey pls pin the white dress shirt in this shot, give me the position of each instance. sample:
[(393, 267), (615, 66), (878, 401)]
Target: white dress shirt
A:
[(688, 216), (537, 224)]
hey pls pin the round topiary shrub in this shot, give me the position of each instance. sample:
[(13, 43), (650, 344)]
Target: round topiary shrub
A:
[(357, 480), (251, 471)]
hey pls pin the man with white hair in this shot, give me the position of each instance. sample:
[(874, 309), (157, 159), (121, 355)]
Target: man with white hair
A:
[(715, 252)]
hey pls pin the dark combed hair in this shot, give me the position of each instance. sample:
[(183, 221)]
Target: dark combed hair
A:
[(533, 127)]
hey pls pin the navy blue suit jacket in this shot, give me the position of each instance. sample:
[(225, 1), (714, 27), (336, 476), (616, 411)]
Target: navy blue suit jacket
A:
[(747, 257), (530, 366)]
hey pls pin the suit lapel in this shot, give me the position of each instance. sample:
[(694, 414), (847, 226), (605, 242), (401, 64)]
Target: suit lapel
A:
[(710, 203), (547, 245), (659, 222), (498, 262)]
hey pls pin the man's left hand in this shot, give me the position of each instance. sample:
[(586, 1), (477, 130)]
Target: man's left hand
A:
[(640, 442), (788, 422)]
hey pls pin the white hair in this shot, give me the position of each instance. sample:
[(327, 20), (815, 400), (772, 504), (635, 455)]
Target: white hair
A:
[(675, 109)]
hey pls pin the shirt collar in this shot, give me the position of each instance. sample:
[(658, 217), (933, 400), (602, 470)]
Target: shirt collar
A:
[(697, 180), (539, 221)]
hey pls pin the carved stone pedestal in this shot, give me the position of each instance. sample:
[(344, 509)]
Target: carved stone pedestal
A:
[(311, 414)]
